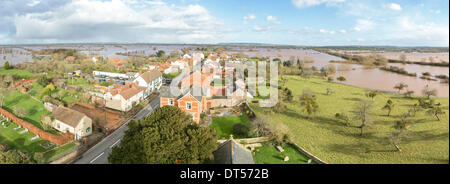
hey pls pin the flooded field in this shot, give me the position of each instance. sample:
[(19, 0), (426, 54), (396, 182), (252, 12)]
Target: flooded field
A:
[(19, 54), (360, 76), (412, 56), (356, 75)]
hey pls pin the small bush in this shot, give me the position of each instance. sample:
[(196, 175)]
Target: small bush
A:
[(341, 78), (4, 147), (240, 129)]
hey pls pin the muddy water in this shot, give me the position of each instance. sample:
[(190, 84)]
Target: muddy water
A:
[(385, 81), (419, 69), (356, 75), (360, 76), (375, 78), (414, 56)]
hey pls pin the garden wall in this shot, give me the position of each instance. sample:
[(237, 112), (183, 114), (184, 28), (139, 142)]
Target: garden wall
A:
[(57, 139), (309, 155)]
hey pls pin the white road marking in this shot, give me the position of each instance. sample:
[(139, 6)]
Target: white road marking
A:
[(114, 143), (93, 160)]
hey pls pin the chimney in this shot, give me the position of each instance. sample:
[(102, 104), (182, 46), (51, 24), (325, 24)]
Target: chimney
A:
[(140, 72)]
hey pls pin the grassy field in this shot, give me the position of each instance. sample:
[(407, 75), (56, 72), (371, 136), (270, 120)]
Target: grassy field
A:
[(22, 73), (20, 141), (36, 90), (268, 154), (34, 108), (224, 125), (55, 153), (329, 139)]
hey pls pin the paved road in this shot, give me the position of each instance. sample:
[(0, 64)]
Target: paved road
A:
[(98, 154)]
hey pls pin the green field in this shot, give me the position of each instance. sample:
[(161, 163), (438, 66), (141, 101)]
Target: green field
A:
[(22, 73), (36, 90), (55, 153), (35, 109), (333, 142), (20, 141), (224, 125), (268, 154)]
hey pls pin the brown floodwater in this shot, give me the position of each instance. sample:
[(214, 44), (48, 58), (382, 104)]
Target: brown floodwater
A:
[(373, 78), (356, 75)]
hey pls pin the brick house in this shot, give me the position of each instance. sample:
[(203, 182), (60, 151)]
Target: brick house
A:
[(187, 102)]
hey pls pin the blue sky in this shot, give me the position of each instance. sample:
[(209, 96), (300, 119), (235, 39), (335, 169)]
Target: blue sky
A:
[(296, 22)]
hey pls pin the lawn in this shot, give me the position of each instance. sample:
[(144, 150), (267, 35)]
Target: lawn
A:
[(268, 154), (171, 75), (36, 90), (330, 140), (35, 109), (55, 153), (224, 125), (78, 82), (22, 73), (20, 141)]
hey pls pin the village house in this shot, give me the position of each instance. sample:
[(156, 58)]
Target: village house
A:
[(70, 58), (123, 97), (187, 102), (158, 66), (68, 120), (117, 62), (151, 81), (224, 56)]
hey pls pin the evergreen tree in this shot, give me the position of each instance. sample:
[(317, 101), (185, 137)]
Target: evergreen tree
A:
[(168, 136), (6, 65)]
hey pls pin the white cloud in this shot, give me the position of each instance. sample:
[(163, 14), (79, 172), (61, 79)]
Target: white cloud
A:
[(326, 31), (363, 25), (262, 28), (272, 19), (33, 3), (249, 17), (307, 3), (407, 30), (117, 21), (393, 6), (343, 31)]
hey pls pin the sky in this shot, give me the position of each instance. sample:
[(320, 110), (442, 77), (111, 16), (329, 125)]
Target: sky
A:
[(291, 22)]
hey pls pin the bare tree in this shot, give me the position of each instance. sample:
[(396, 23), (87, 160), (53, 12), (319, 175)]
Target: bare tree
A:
[(364, 113), (429, 92), (401, 127)]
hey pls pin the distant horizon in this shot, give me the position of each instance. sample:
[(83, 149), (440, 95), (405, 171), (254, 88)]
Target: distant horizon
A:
[(220, 44)]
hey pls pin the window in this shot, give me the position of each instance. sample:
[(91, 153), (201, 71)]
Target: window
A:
[(88, 129), (188, 105), (170, 101)]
